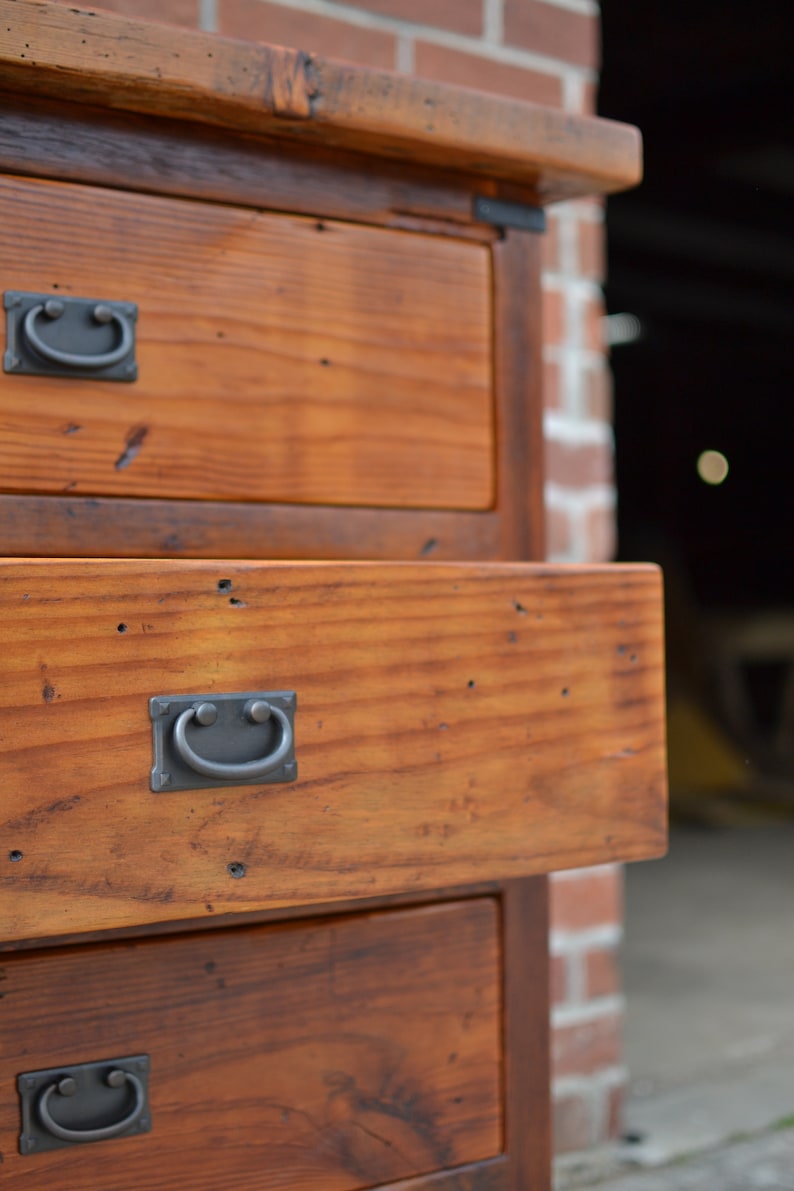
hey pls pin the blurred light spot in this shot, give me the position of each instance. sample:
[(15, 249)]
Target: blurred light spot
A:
[(621, 328), (712, 467)]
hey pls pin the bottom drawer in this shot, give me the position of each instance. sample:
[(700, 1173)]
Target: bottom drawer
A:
[(328, 1055)]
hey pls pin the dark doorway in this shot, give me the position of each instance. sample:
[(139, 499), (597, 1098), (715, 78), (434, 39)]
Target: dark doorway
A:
[(703, 254)]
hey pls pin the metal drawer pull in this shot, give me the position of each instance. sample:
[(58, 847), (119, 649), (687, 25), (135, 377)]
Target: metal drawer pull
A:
[(76, 338), (258, 711), (68, 1087), (102, 313)]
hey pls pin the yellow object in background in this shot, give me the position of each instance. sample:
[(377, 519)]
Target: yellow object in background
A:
[(701, 757)]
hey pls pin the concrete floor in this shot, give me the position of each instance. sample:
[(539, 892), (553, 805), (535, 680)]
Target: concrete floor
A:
[(709, 978), (765, 1162)]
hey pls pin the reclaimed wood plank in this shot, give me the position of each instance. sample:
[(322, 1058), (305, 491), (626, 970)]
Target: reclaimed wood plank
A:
[(74, 53), (280, 358), (456, 723), (91, 527), (321, 1056), (80, 143)]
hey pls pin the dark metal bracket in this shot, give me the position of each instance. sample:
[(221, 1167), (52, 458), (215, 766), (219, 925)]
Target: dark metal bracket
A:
[(68, 1106), (504, 214), (206, 741)]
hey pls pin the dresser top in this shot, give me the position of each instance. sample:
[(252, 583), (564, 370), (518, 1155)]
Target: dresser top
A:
[(110, 61)]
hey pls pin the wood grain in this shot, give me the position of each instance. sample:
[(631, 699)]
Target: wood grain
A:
[(130, 528), (70, 53), (315, 1057), (91, 527), (518, 350), (491, 1175), (518, 385), (456, 723), (528, 1123), (280, 358), (80, 143)]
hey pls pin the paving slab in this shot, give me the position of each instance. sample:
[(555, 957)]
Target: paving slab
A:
[(709, 978), (765, 1162)]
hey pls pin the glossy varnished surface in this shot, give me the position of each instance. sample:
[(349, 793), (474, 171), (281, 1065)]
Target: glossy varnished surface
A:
[(130, 528), (74, 53), (316, 1057), (106, 527), (553, 756), (279, 358), (81, 142), (456, 723)]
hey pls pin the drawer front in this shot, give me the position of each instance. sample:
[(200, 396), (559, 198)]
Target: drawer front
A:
[(280, 359), (454, 723), (316, 1057)]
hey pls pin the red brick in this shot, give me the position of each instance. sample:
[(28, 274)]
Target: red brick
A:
[(574, 1127), (558, 32), (254, 20), (553, 316), (578, 466), (587, 900), (559, 534), (601, 534), (173, 12), (552, 385), (588, 1046), (593, 333), (590, 99), (602, 973), (598, 393), (469, 70), (592, 250), (461, 16), (558, 981)]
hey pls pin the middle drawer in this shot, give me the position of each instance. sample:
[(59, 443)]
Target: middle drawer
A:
[(454, 723)]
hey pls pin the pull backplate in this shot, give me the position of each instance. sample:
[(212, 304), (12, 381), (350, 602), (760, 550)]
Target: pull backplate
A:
[(241, 739), (68, 1106), (58, 335)]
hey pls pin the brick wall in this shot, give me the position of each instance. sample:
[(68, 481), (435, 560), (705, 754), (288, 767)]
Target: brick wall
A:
[(587, 1006), (546, 51)]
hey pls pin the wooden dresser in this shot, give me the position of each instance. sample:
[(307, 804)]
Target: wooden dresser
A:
[(292, 726)]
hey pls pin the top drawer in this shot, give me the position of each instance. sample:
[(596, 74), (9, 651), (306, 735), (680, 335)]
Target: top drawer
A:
[(455, 723), (280, 358)]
